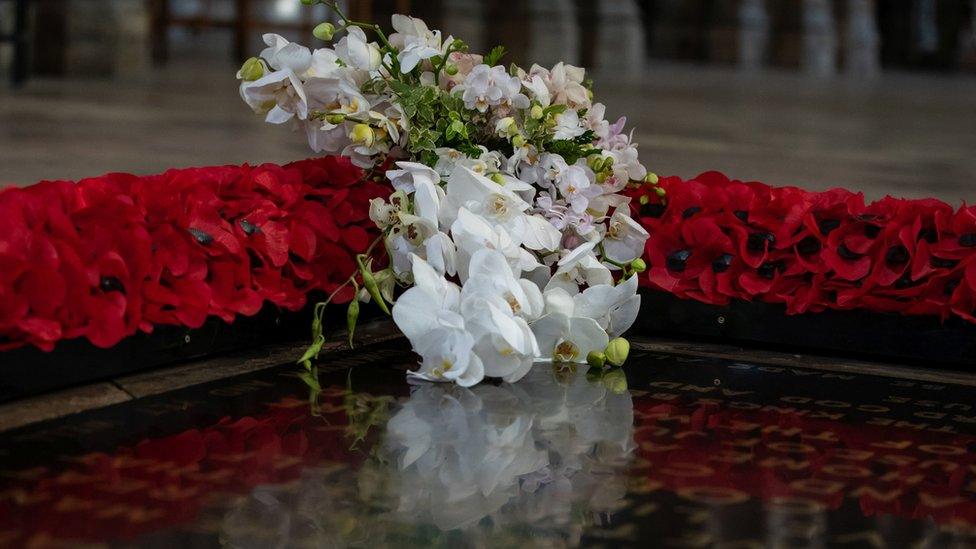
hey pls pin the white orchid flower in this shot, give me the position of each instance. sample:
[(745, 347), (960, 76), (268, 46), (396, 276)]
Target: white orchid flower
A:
[(403, 179), (500, 206), (472, 233), (324, 64), (625, 238), (491, 277), (540, 92), (626, 164), (280, 95), (414, 42), (565, 84), (423, 183), (410, 237), (576, 187), (579, 267), (417, 310), (357, 52), (613, 307), (446, 353), (415, 50), (283, 55), (568, 125), (566, 338), (336, 96), (488, 87)]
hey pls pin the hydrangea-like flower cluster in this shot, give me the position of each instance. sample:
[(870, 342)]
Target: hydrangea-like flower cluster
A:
[(507, 223)]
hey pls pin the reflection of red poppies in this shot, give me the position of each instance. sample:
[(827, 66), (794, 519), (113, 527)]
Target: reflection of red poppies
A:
[(166, 482), (784, 451), (717, 239), (108, 256)]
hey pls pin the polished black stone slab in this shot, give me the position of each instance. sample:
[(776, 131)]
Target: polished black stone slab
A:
[(675, 451)]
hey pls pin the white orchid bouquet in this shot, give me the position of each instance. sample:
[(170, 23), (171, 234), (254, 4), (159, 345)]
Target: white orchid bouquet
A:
[(507, 225)]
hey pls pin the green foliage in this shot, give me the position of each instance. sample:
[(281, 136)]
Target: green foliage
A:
[(573, 149), (437, 119), (495, 55)]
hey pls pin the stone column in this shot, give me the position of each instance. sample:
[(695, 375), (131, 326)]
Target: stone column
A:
[(861, 43), (555, 35), (753, 34), (819, 38), (621, 37)]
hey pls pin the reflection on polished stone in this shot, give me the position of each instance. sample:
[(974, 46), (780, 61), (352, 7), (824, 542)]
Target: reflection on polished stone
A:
[(696, 452), (511, 464)]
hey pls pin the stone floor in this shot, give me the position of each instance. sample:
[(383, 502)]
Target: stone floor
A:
[(907, 135)]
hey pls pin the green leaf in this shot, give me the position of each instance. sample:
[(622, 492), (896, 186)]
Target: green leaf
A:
[(495, 55)]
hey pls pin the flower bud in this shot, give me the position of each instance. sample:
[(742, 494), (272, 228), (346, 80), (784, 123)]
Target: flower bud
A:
[(352, 316), (518, 141), (506, 126), (617, 351), (309, 2), (596, 359), (497, 178), (536, 112), (324, 31), (660, 191), (371, 286), (615, 381), (451, 70), (651, 178), (335, 118), (362, 133), (638, 265), (251, 70), (644, 199)]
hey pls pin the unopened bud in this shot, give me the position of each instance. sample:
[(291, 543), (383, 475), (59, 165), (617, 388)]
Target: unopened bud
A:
[(518, 141), (451, 70), (370, 284), (497, 178), (362, 133), (335, 118), (644, 199), (352, 316), (252, 69), (651, 178), (309, 2), (617, 351), (324, 31), (536, 112), (638, 265), (596, 359), (660, 191)]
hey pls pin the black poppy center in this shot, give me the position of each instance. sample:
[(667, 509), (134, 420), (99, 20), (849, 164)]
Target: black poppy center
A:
[(677, 260), (722, 264), (111, 284), (201, 236), (897, 255), (248, 227), (757, 241)]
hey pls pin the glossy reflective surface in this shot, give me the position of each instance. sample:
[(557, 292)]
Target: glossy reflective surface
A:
[(683, 452)]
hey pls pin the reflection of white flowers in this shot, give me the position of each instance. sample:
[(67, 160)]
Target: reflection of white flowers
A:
[(539, 460)]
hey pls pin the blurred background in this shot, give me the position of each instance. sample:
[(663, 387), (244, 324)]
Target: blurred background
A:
[(877, 95)]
